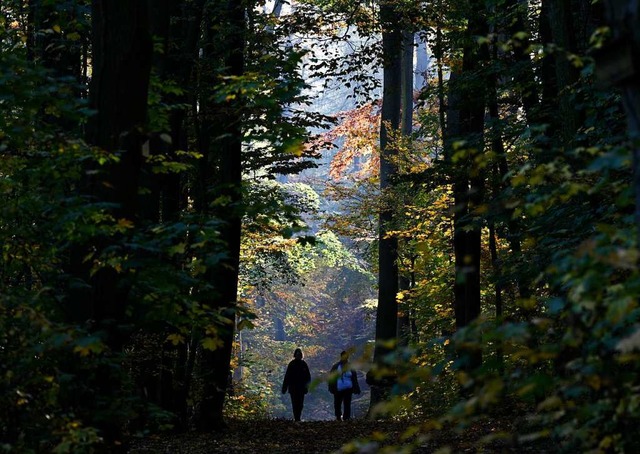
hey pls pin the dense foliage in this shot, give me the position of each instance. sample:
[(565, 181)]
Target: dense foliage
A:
[(164, 253), (549, 191)]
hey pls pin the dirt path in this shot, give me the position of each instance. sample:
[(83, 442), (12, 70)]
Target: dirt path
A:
[(280, 437), (359, 436)]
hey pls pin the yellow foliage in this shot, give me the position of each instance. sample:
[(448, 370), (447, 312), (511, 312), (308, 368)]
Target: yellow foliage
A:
[(124, 224), (175, 338), (210, 343), (295, 147)]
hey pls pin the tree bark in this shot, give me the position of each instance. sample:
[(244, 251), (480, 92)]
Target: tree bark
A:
[(422, 63), (468, 183), (467, 101), (406, 121), (176, 26), (406, 128), (563, 33), (387, 310), (120, 80), (224, 152), (442, 106)]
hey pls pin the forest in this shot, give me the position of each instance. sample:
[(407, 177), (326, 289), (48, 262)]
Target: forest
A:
[(448, 190)]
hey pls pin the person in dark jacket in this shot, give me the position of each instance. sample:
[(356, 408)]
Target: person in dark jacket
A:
[(343, 383), (296, 380)]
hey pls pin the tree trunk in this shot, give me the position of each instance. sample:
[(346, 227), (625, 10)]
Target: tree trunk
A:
[(468, 183), (466, 122), (563, 33), (280, 334), (406, 121), (121, 69), (176, 26), (387, 311), (225, 155), (442, 107), (120, 80), (422, 63), (406, 127)]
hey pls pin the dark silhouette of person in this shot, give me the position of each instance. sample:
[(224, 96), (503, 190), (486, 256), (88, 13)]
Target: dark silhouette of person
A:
[(343, 383), (296, 380)]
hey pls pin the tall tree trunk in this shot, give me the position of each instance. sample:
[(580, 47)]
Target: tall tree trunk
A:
[(387, 311), (442, 107), (422, 63), (176, 26), (563, 32), (120, 80), (466, 122), (406, 127), (406, 121), (468, 184), (225, 154)]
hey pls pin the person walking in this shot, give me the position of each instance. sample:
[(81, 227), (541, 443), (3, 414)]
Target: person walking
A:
[(343, 383), (296, 381)]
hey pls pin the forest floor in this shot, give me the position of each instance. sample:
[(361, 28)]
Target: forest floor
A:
[(362, 436)]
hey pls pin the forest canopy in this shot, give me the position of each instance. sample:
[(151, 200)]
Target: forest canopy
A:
[(192, 189)]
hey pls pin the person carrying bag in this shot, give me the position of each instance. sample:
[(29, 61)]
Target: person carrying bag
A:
[(343, 383)]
